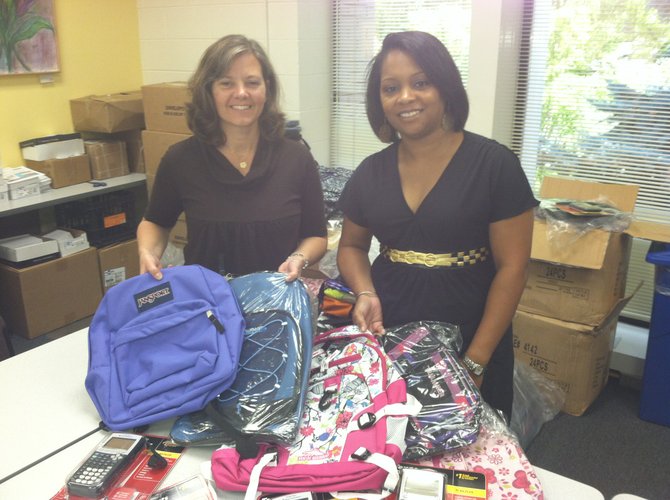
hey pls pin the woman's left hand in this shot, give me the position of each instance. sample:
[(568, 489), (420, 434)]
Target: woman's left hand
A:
[(292, 267)]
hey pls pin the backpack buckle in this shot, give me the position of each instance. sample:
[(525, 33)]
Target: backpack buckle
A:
[(326, 401), (366, 420), (361, 454), (272, 450)]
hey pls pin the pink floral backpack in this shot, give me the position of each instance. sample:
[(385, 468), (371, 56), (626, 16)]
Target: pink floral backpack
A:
[(352, 434)]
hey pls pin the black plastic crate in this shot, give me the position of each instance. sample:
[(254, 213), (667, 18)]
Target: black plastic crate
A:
[(106, 218)]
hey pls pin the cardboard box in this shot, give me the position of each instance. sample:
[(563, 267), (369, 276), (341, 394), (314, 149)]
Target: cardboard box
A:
[(165, 107), (574, 355), (107, 158), (151, 178), (69, 240), (108, 113), (581, 279), (38, 299), (64, 171), (178, 232), (155, 145), (53, 146), (133, 141), (118, 263), (26, 247)]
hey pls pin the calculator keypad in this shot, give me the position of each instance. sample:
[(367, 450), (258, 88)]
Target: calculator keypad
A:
[(96, 468)]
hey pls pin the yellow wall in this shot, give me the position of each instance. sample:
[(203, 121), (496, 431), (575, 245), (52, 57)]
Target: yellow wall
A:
[(99, 53)]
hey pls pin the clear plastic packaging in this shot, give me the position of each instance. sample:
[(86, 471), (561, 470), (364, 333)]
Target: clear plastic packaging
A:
[(498, 454), (426, 355), (567, 220), (264, 403), (194, 488), (536, 400)]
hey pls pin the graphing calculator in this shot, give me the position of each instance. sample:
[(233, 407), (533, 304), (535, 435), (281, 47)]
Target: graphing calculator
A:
[(105, 462)]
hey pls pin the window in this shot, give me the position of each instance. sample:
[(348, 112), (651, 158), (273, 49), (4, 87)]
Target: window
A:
[(596, 104), (359, 27)]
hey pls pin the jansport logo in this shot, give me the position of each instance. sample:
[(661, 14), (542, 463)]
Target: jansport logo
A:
[(153, 297)]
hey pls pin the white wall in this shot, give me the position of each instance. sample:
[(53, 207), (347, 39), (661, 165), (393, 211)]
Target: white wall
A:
[(295, 33), (297, 36)]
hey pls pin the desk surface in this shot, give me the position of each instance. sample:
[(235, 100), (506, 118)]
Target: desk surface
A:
[(49, 407), (69, 193)]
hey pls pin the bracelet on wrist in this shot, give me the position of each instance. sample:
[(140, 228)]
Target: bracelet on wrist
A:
[(366, 292), (305, 264)]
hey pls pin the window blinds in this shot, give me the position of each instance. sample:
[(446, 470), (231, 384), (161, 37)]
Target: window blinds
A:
[(359, 27), (595, 105)]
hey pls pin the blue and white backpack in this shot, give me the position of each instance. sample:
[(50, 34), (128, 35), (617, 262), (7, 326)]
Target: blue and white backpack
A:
[(163, 348), (265, 402)]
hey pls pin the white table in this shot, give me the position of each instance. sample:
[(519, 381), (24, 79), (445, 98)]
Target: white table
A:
[(45, 406), (44, 402)]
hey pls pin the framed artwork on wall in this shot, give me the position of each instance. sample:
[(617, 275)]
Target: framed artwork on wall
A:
[(27, 37)]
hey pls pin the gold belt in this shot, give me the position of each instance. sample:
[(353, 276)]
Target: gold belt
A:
[(458, 259)]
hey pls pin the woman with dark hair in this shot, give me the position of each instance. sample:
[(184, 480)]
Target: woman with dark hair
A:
[(452, 210), (252, 198)]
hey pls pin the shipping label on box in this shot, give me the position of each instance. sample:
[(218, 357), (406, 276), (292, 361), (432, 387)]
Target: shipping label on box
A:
[(165, 107), (108, 113), (64, 171), (118, 262)]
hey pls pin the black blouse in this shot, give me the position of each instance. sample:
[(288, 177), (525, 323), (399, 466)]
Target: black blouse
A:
[(483, 183), (239, 224)]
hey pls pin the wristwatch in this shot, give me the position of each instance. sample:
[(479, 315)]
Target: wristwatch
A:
[(475, 368)]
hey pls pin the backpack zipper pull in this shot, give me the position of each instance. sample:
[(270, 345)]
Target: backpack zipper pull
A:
[(217, 324)]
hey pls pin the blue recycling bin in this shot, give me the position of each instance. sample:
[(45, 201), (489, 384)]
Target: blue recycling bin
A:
[(655, 397)]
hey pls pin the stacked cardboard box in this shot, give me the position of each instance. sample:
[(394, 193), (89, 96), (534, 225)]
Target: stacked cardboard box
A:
[(567, 317), (110, 123), (165, 116), (108, 158)]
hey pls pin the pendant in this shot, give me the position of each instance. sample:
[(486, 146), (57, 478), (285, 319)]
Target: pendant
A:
[(243, 164)]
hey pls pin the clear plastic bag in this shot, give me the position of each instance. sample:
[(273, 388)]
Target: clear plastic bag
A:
[(536, 400), (172, 256), (265, 402), (426, 355), (568, 220)]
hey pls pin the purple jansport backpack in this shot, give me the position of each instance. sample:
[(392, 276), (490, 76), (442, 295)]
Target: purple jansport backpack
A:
[(163, 348)]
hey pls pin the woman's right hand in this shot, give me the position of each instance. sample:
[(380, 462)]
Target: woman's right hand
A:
[(367, 314), (151, 264)]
